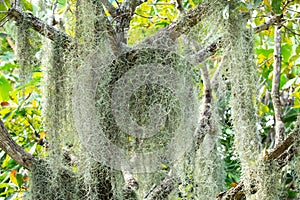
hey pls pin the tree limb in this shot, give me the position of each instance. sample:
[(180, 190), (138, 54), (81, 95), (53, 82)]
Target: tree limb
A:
[(169, 34), (283, 145), (279, 125), (39, 26), (278, 153), (265, 26), (14, 150), (163, 190)]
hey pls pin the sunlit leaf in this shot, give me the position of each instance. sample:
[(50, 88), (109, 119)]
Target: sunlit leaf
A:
[(13, 177), (5, 88)]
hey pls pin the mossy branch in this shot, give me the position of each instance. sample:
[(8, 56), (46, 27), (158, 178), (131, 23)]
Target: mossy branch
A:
[(237, 193), (14, 150), (163, 190), (38, 25)]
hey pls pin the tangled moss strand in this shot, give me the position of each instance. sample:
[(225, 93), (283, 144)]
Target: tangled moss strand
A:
[(25, 51)]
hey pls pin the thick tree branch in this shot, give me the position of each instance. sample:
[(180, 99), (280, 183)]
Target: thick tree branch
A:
[(279, 125), (131, 185), (39, 26), (15, 151)]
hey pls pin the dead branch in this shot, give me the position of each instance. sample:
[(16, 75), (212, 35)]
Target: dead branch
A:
[(14, 150)]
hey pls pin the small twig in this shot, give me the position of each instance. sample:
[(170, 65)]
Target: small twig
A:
[(4, 20), (290, 30), (214, 79), (164, 189), (149, 17), (293, 10), (151, 189), (279, 125), (11, 44), (286, 4), (265, 61)]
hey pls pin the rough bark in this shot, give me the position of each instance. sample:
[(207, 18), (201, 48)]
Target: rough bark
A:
[(38, 25), (14, 150)]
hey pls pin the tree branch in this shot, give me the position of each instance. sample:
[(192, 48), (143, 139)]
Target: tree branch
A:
[(283, 145), (163, 190), (277, 153), (39, 26), (279, 125), (165, 36), (265, 26), (15, 151)]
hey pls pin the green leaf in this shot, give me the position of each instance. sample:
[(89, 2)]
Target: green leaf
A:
[(19, 179), (4, 185), (5, 88), (8, 66), (276, 6), (3, 7), (298, 50), (162, 24), (27, 5), (286, 51), (265, 52)]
